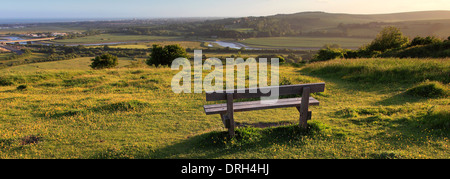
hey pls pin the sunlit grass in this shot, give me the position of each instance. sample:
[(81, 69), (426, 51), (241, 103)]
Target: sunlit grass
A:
[(133, 113)]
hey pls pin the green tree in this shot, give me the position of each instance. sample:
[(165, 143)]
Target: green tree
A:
[(165, 55), (389, 38), (425, 40), (105, 60)]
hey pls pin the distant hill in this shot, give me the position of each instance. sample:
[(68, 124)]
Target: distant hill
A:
[(422, 23), (393, 17)]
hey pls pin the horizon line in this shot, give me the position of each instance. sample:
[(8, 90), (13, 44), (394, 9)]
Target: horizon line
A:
[(180, 17)]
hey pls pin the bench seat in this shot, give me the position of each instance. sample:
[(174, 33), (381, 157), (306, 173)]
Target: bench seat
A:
[(256, 105)]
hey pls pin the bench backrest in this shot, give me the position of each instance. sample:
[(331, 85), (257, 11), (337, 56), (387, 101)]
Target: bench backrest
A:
[(246, 93)]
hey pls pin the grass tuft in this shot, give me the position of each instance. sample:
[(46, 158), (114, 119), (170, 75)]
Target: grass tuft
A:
[(386, 155), (429, 89), (31, 139), (132, 105)]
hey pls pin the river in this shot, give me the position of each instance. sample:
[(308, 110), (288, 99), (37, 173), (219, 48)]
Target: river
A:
[(234, 45), (8, 38)]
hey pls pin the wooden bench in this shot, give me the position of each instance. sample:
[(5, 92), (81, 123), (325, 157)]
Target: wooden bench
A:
[(226, 110)]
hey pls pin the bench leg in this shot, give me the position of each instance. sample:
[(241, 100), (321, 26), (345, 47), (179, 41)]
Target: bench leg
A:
[(230, 114), (224, 120), (304, 108), (229, 124)]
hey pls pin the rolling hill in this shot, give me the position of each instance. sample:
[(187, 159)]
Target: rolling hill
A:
[(423, 23)]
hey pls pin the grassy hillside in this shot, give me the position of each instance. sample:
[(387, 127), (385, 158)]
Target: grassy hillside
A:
[(133, 113), (322, 24)]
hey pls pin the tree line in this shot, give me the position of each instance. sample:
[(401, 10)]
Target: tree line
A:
[(391, 42)]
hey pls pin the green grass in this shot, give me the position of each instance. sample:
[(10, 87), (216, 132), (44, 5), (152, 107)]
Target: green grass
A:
[(81, 63), (381, 70), (304, 42), (430, 89), (133, 113)]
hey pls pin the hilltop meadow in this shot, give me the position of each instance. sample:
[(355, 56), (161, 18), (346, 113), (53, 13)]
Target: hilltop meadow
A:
[(103, 90), (371, 108)]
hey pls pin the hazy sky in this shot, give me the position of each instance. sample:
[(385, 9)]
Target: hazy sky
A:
[(203, 8)]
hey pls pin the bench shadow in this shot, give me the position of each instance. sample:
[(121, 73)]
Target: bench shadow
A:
[(217, 144)]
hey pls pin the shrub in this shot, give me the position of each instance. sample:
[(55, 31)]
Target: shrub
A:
[(329, 53), (165, 55), (389, 38), (285, 81), (105, 60), (429, 89), (424, 40), (293, 58), (269, 57)]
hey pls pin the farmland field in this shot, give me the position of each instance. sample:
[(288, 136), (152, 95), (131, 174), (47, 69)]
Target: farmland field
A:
[(67, 110), (108, 38), (304, 42), (146, 45)]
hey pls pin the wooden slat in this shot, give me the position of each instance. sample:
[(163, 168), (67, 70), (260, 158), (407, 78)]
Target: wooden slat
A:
[(283, 90), (256, 105), (245, 103)]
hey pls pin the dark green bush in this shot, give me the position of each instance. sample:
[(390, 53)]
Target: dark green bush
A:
[(389, 38), (329, 54), (105, 60), (424, 41), (165, 55)]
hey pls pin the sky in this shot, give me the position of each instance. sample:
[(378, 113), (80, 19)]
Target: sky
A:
[(16, 9)]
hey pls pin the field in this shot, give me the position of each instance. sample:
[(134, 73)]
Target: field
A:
[(304, 42), (45, 28), (66, 110), (146, 45), (109, 38)]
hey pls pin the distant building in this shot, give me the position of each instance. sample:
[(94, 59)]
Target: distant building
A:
[(54, 34)]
